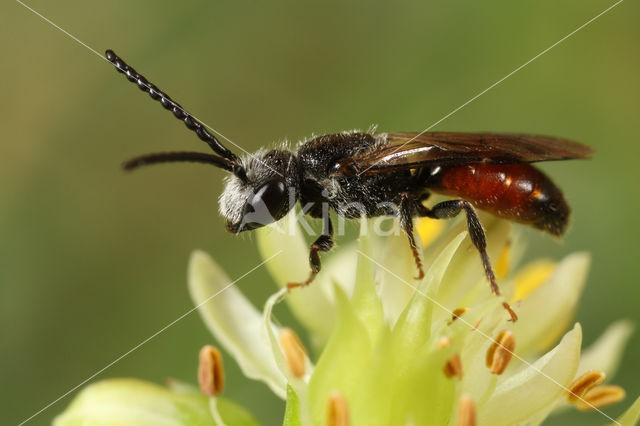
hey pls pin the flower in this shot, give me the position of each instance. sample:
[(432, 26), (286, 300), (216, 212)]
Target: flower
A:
[(391, 350)]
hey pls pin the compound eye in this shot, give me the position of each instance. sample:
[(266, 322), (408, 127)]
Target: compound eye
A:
[(269, 204)]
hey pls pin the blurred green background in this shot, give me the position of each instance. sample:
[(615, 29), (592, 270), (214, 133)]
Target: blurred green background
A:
[(93, 261)]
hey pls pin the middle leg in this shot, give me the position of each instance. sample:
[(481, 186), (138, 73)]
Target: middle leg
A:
[(405, 215)]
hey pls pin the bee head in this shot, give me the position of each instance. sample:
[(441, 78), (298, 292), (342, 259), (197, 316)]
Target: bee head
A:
[(265, 194)]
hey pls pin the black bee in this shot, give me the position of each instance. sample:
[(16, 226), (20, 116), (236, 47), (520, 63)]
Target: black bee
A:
[(367, 174)]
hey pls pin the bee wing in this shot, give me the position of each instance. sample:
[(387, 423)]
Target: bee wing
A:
[(408, 150)]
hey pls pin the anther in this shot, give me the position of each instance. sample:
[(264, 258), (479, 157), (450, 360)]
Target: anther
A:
[(210, 372), (294, 352), (466, 412), (600, 396), (443, 342), (457, 313), (501, 352), (581, 385), (337, 410), (453, 367)]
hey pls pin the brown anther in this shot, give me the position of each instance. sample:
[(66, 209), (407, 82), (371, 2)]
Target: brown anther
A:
[(457, 313), (600, 396), (581, 385), (453, 367), (337, 410), (501, 352), (294, 352), (466, 412), (512, 314), (210, 372)]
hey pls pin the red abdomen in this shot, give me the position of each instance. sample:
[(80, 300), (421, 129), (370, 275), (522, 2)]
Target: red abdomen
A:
[(517, 192)]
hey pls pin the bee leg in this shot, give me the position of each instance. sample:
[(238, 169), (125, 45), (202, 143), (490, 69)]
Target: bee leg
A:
[(323, 243), (405, 215), (450, 209)]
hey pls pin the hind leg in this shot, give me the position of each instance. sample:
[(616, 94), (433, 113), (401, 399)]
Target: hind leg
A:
[(450, 209)]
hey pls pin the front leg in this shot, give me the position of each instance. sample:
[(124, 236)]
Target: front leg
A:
[(323, 243)]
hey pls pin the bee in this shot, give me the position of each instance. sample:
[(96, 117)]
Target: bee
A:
[(369, 174)]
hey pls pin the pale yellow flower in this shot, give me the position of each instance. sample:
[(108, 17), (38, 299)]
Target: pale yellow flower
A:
[(387, 350)]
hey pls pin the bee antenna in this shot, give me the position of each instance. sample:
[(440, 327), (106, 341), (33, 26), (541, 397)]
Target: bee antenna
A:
[(173, 157), (179, 112)]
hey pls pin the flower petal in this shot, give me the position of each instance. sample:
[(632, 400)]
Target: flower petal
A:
[(312, 305), (365, 300), (136, 402), (299, 385), (429, 229), (531, 277), (394, 292), (227, 413), (343, 361), (631, 417), (534, 388), (558, 299), (605, 353), (233, 320), (465, 282), (413, 327)]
